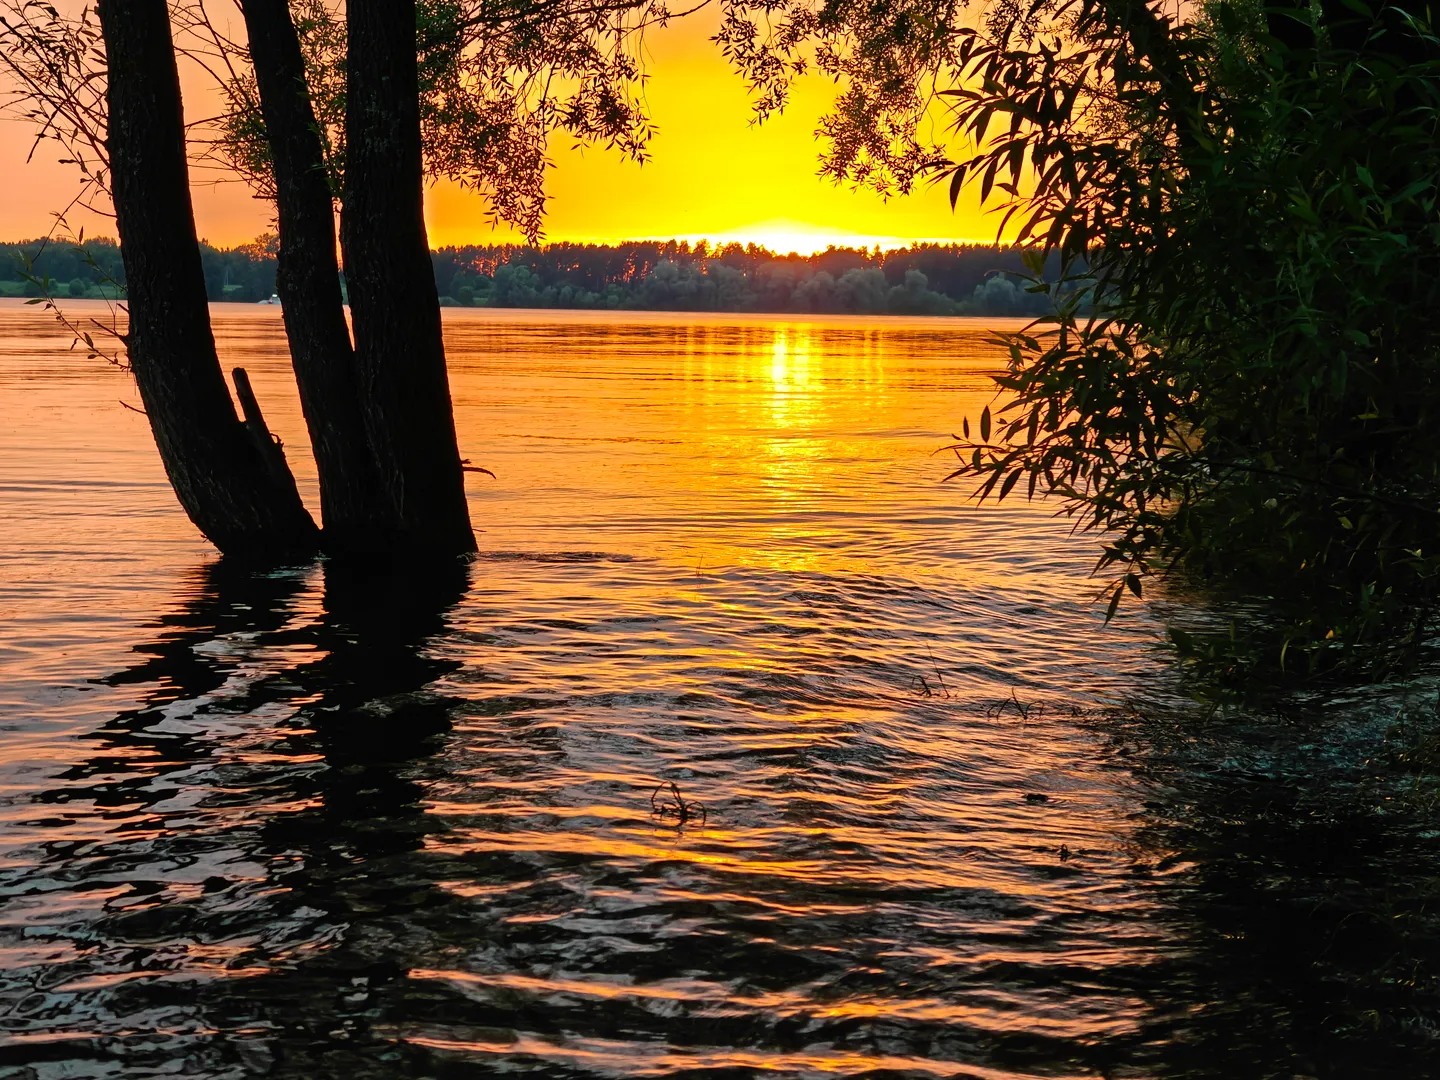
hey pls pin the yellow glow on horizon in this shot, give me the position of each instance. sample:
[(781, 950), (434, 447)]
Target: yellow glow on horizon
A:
[(713, 174), (786, 237), (716, 175)]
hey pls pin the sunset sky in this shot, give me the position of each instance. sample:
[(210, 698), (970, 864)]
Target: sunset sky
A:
[(713, 174)]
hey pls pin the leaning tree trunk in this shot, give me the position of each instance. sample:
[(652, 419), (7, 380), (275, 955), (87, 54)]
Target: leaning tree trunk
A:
[(394, 307), (230, 477), (356, 514)]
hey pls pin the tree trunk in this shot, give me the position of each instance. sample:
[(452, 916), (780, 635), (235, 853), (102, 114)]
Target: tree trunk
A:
[(224, 482), (356, 514), (405, 391)]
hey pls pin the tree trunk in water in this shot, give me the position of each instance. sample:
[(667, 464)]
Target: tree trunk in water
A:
[(229, 488), (357, 516), (405, 390)]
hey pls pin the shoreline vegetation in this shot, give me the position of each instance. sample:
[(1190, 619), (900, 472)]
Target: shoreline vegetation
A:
[(923, 279)]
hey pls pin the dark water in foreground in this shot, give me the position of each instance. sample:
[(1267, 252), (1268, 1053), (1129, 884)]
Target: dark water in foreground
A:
[(305, 825)]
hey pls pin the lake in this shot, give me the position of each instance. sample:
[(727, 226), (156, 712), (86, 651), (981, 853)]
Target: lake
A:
[(301, 824)]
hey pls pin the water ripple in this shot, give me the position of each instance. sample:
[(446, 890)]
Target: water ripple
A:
[(309, 824)]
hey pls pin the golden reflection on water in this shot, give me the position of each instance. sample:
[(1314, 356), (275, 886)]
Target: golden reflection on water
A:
[(716, 551)]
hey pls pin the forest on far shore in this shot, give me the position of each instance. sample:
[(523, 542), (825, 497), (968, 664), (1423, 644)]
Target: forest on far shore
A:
[(924, 279)]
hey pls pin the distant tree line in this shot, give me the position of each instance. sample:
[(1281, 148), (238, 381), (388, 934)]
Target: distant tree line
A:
[(93, 269), (70, 269), (926, 279)]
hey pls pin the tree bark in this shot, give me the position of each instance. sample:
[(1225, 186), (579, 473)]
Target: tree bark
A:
[(405, 391), (220, 476), (356, 515)]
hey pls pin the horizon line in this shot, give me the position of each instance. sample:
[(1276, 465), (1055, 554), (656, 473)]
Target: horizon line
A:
[(820, 245)]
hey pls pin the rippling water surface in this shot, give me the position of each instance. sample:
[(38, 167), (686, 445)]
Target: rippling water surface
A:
[(308, 825)]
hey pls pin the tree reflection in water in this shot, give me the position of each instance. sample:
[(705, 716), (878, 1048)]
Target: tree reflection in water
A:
[(1297, 878), (237, 827)]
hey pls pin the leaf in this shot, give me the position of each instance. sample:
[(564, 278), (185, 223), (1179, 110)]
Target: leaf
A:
[(985, 424), (1009, 484), (1115, 595)]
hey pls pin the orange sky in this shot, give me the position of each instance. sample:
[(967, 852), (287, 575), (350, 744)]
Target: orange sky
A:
[(713, 174)]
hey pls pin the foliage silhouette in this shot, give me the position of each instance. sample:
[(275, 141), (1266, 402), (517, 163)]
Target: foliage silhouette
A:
[(1251, 404)]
